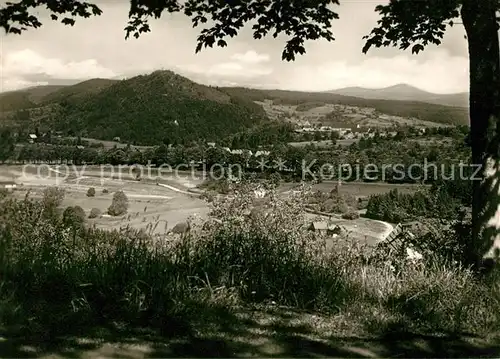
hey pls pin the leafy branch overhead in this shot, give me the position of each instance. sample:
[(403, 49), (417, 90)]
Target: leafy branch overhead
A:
[(406, 23), (403, 23), (299, 20)]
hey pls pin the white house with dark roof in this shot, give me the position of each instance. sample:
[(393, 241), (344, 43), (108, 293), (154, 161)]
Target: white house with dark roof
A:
[(325, 228), (32, 138)]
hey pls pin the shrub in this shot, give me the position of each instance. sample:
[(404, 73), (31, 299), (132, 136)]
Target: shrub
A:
[(3, 193), (275, 179), (208, 196), (333, 202), (221, 186), (125, 276), (53, 197), (362, 203), (119, 206), (95, 213), (91, 192), (105, 190), (74, 217), (351, 215)]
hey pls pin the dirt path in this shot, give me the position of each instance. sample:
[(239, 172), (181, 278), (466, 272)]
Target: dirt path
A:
[(174, 189), (388, 230)]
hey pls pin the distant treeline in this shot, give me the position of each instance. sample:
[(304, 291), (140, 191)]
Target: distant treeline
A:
[(409, 109), (443, 200), (398, 160)]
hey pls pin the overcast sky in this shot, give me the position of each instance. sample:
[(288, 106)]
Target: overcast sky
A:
[(96, 47)]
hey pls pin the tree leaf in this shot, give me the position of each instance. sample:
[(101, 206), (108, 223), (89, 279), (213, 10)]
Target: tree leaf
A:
[(417, 48)]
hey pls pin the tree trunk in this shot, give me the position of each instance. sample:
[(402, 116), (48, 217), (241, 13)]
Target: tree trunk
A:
[(480, 25)]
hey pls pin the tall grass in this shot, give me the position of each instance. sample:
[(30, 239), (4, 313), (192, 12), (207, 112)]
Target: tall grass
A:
[(257, 251)]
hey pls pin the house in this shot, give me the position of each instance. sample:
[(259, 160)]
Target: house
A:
[(237, 152), (262, 153), (260, 193), (117, 139), (324, 227), (234, 179), (8, 185), (32, 138), (211, 144), (305, 124), (80, 147)]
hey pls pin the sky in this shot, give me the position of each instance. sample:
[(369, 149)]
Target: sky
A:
[(96, 47)]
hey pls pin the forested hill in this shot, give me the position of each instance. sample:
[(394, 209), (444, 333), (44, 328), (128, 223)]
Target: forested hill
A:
[(162, 107)]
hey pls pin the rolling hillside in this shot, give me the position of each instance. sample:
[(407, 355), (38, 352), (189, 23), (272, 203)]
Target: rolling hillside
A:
[(420, 110), (403, 92), (27, 98), (162, 107), (78, 90)]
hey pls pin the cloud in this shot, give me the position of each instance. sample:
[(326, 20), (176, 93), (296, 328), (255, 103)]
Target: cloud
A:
[(439, 73), (22, 68), (243, 66), (95, 47), (12, 84), (250, 57)]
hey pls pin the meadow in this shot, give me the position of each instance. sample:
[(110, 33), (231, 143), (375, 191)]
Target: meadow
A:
[(247, 283)]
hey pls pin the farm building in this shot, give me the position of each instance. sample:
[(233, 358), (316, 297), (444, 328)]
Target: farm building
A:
[(8, 185), (32, 138), (260, 193), (262, 153), (325, 228)]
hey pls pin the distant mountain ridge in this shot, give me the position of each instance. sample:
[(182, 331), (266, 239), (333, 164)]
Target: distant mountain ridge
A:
[(437, 113), (161, 107), (166, 107), (404, 92)]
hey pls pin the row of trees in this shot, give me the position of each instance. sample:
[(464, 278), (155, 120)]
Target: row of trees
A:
[(444, 200), (370, 160)]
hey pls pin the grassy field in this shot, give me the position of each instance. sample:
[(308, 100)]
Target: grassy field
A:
[(148, 203), (357, 189), (111, 144), (159, 206), (323, 144), (162, 208)]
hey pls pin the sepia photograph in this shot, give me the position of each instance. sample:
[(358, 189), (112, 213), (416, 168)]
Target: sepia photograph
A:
[(249, 178)]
